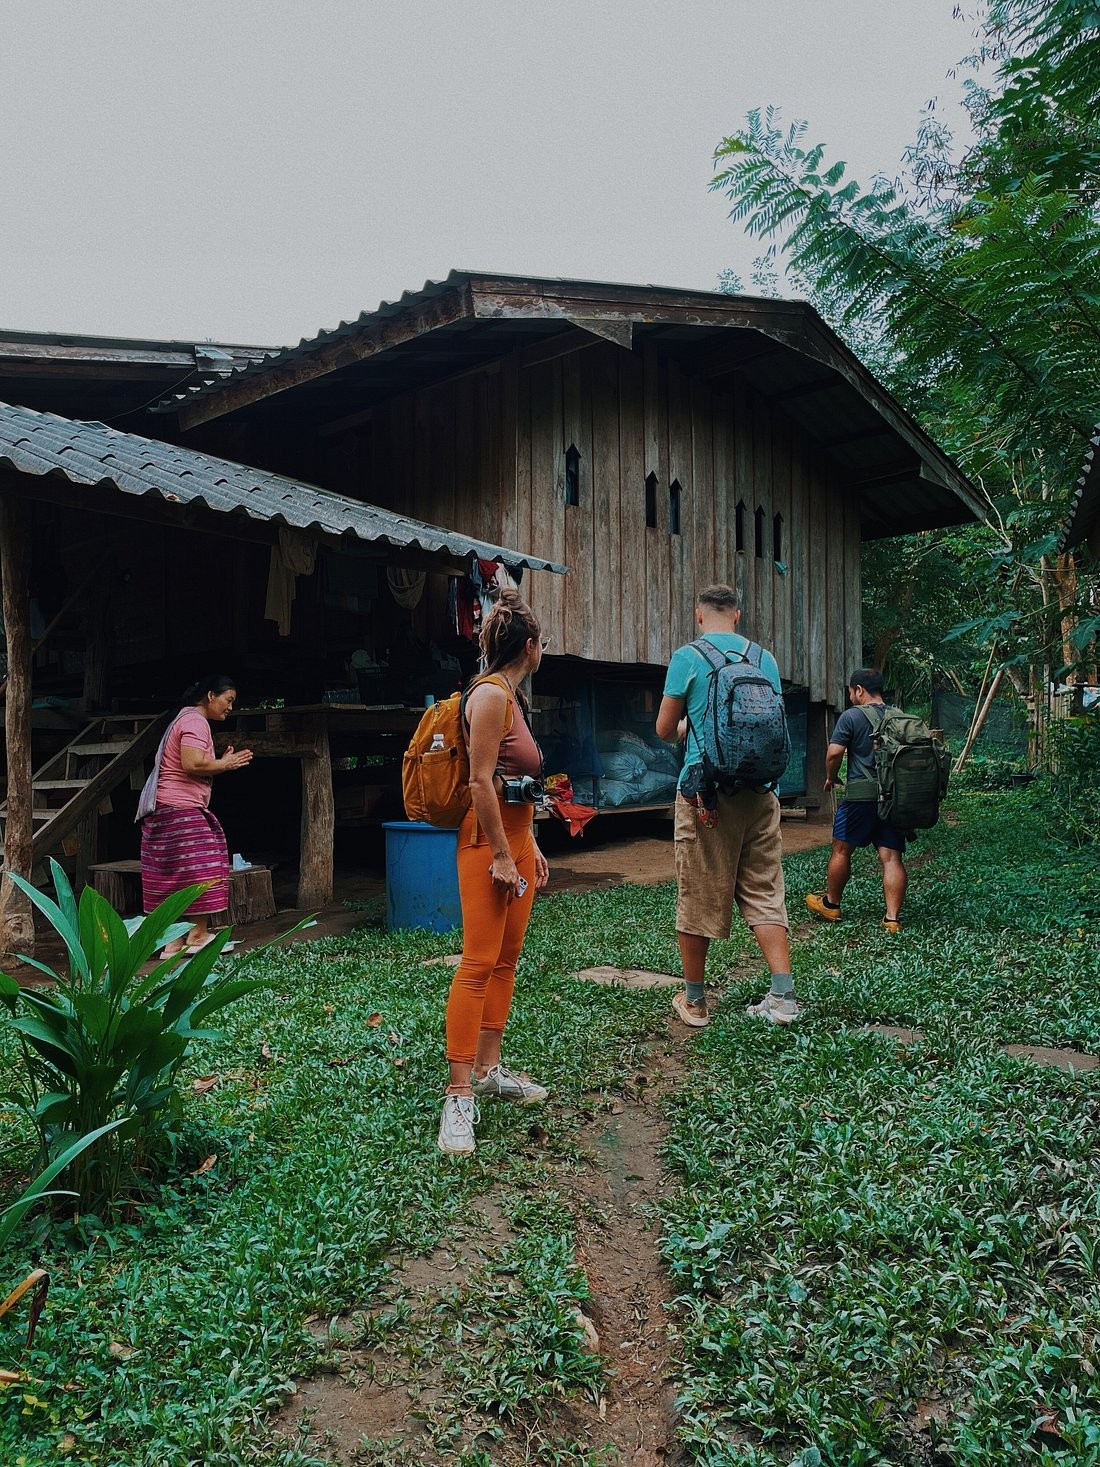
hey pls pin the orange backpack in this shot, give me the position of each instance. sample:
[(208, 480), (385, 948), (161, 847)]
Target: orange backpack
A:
[(435, 781)]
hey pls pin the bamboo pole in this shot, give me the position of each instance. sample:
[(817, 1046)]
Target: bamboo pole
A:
[(979, 721)]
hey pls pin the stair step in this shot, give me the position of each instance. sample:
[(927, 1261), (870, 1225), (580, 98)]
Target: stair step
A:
[(61, 784), (115, 746)]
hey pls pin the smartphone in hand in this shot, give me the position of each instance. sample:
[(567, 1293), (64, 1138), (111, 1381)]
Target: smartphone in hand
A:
[(522, 885)]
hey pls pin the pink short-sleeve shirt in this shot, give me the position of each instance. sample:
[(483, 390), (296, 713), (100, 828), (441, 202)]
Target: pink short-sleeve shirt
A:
[(176, 787)]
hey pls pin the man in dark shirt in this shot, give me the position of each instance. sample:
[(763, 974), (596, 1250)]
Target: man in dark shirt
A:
[(856, 822)]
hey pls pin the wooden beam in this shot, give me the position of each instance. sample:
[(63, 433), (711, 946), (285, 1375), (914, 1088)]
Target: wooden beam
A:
[(620, 333), (442, 310), (561, 344), (16, 921), (318, 828)]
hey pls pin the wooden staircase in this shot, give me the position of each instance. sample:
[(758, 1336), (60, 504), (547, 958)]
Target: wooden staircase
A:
[(75, 782)]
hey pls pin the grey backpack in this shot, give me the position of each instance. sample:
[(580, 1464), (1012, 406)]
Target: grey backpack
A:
[(744, 736)]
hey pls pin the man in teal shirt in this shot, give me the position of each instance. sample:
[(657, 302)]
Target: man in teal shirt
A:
[(728, 846)]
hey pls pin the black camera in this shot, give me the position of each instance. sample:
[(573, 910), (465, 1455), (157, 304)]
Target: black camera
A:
[(524, 789)]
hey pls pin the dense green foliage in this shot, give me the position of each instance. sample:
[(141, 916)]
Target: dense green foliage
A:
[(969, 285)]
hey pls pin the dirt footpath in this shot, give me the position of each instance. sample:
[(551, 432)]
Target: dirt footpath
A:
[(643, 856)]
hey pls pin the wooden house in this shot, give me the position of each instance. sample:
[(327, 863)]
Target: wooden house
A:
[(654, 440)]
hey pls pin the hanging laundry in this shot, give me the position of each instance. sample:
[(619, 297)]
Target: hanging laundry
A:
[(292, 555), (406, 586)]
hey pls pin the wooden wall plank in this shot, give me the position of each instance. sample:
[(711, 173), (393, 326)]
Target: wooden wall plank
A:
[(632, 529), (607, 601), (682, 548), (465, 455), (800, 552), (836, 672), (781, 505), (547, 462), (507, 386), (853, 588), (762, 498), (579, 519), (737, 426), (702, 569), (423, 504), (817, 551), (654, 606)]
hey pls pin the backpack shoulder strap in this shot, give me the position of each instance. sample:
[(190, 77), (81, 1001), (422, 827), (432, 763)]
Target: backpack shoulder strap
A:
[(718, 658), (710, 653), (876, 723)]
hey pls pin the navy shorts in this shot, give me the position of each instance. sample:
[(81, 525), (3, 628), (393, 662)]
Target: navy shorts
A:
[(859, 825)]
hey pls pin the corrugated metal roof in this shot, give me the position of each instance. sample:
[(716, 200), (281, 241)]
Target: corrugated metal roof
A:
[(431, 290), (904, 480), (40, 444), (1086, 500)]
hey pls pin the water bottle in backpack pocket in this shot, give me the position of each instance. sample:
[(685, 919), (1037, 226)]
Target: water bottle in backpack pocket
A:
[(744, 737)]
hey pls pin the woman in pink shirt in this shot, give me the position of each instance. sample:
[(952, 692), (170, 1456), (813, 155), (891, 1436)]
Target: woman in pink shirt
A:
[(182, 842)]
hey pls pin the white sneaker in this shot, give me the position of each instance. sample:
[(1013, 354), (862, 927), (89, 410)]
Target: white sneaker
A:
[(456, 1125), (504, 1084), (775, 1009)]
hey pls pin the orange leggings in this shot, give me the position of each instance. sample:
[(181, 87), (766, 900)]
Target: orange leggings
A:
[(493, 929)]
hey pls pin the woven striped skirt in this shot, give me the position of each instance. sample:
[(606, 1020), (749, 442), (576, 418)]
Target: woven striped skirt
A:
[(181, 847)]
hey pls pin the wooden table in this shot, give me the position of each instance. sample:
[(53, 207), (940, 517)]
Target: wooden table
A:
[(303, 733)]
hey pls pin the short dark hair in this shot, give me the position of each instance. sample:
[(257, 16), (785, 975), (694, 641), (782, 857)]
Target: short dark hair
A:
[(867, 678), (720, 598)]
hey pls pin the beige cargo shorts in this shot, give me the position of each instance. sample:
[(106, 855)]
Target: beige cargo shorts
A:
[(737, 861)]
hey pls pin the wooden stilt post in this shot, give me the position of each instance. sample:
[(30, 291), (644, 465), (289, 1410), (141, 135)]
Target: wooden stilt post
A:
[(318, 827), (16, 921), (97, 644)]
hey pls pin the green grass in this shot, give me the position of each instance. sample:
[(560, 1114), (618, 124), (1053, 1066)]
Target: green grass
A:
[(860, 1234), (866, 1229), (169, 1336)]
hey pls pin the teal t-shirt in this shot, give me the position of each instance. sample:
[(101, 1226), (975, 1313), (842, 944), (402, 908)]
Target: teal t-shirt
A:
[(687, 678)]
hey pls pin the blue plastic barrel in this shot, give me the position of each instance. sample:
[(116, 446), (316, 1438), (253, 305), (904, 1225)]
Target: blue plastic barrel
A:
[(421, 876)]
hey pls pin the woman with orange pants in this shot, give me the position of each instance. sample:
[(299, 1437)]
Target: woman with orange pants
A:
[(499, 869)]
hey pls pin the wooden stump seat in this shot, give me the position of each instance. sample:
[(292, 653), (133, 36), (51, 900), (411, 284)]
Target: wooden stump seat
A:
[(250, 894)]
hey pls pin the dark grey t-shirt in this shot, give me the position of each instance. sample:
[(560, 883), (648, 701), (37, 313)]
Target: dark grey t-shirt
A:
[(853, 730)]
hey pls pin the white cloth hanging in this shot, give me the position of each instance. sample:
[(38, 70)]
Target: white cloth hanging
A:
[(292, 555), (406, 586)]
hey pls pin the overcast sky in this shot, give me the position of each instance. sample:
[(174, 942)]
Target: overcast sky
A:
[(253, 170)]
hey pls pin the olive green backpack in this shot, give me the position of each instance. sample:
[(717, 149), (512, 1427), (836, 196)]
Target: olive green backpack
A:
[(912, 767)]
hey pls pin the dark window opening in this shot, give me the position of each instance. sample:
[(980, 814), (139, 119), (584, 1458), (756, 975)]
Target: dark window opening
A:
[(572, 474), (777, 538), (674, 496), (759, 533), (740, 524), (651, 501)]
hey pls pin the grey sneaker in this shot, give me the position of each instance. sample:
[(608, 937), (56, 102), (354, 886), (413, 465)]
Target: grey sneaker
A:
[(775, 1009), (694, 1015), (456, 1125), (502, 1083)]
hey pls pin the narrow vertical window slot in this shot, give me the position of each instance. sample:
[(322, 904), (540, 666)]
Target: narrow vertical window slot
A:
[(759, 533), (572, 474), (675, 493), (651, 501)]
